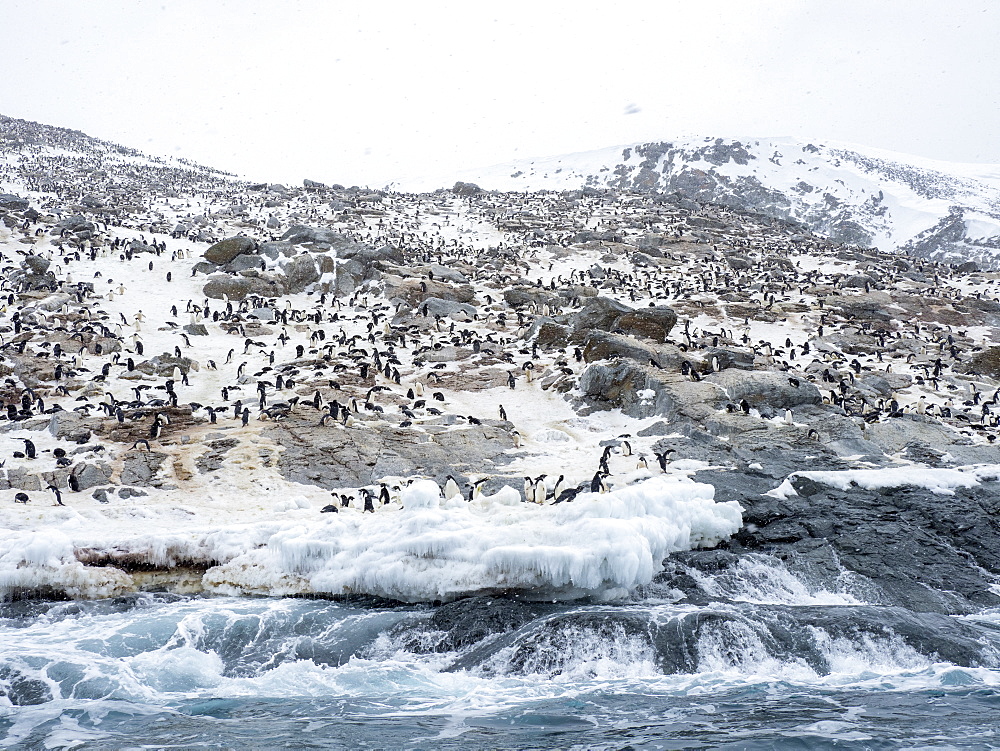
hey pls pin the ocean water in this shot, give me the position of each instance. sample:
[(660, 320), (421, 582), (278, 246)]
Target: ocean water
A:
[(788, 668)]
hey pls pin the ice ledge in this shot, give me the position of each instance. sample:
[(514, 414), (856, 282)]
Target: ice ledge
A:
[(431, 550)]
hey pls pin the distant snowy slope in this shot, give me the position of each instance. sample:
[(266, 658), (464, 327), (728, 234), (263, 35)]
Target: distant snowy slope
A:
[(858, 195)]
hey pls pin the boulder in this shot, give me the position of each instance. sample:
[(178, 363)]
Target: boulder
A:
[(243, 262), (275, 250), (300, 272), (601, 313), (92, 475), (75, 223), (760, 387), (220, 286), (414, 291), (653, 323), (299, 234), (13, 203), (547, 333), (226, 250), (140, 467), (36, 264)]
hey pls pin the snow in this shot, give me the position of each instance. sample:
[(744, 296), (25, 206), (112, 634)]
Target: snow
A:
[(854, 175)]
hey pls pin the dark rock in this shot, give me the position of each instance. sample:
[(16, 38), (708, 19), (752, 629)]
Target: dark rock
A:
[(466, 189), (36, 264), (140, 467), (226, 250), (986, 362), (75, 224), (547, 333), (238, 287), (243, 262), (300, 272), (601, 313), (13, 203), (653, 322)]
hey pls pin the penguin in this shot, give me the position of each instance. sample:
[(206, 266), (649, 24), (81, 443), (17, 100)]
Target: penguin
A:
[(74, 483), (451, 488), (503, 413), (20, 498), (58, 495), (661, 458), (29, 448), (538, 494), (476, 488), (560, 486), (369, 506), (597, 484)]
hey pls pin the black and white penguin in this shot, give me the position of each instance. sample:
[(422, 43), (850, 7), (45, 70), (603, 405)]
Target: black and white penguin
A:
[(451, 488)]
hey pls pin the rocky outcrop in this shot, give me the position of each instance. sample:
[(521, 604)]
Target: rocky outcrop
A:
[(335, 457)]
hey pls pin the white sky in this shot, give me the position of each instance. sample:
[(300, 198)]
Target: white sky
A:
[(368, 92)]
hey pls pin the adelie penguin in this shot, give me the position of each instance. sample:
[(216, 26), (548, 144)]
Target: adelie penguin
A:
[(451, 488), (57, 494)]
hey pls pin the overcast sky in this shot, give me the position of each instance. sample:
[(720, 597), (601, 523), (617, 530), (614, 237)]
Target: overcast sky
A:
[(365, 93)]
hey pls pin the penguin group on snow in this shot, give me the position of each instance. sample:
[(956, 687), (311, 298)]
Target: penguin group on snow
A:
[(386, 358)]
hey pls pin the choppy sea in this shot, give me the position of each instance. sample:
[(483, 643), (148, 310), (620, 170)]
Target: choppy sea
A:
[(788, 668)]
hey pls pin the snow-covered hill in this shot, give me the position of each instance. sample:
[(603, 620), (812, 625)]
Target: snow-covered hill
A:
[(852, 194)]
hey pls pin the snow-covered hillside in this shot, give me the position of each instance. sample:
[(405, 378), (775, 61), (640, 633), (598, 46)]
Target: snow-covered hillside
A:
[(851, 194)]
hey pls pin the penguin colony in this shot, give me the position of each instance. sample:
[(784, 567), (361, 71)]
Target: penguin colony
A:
[(453, 298)]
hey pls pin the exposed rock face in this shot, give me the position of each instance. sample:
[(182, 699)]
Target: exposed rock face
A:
[(759, 388), (986, 363), (336, 457), (141, 467)]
